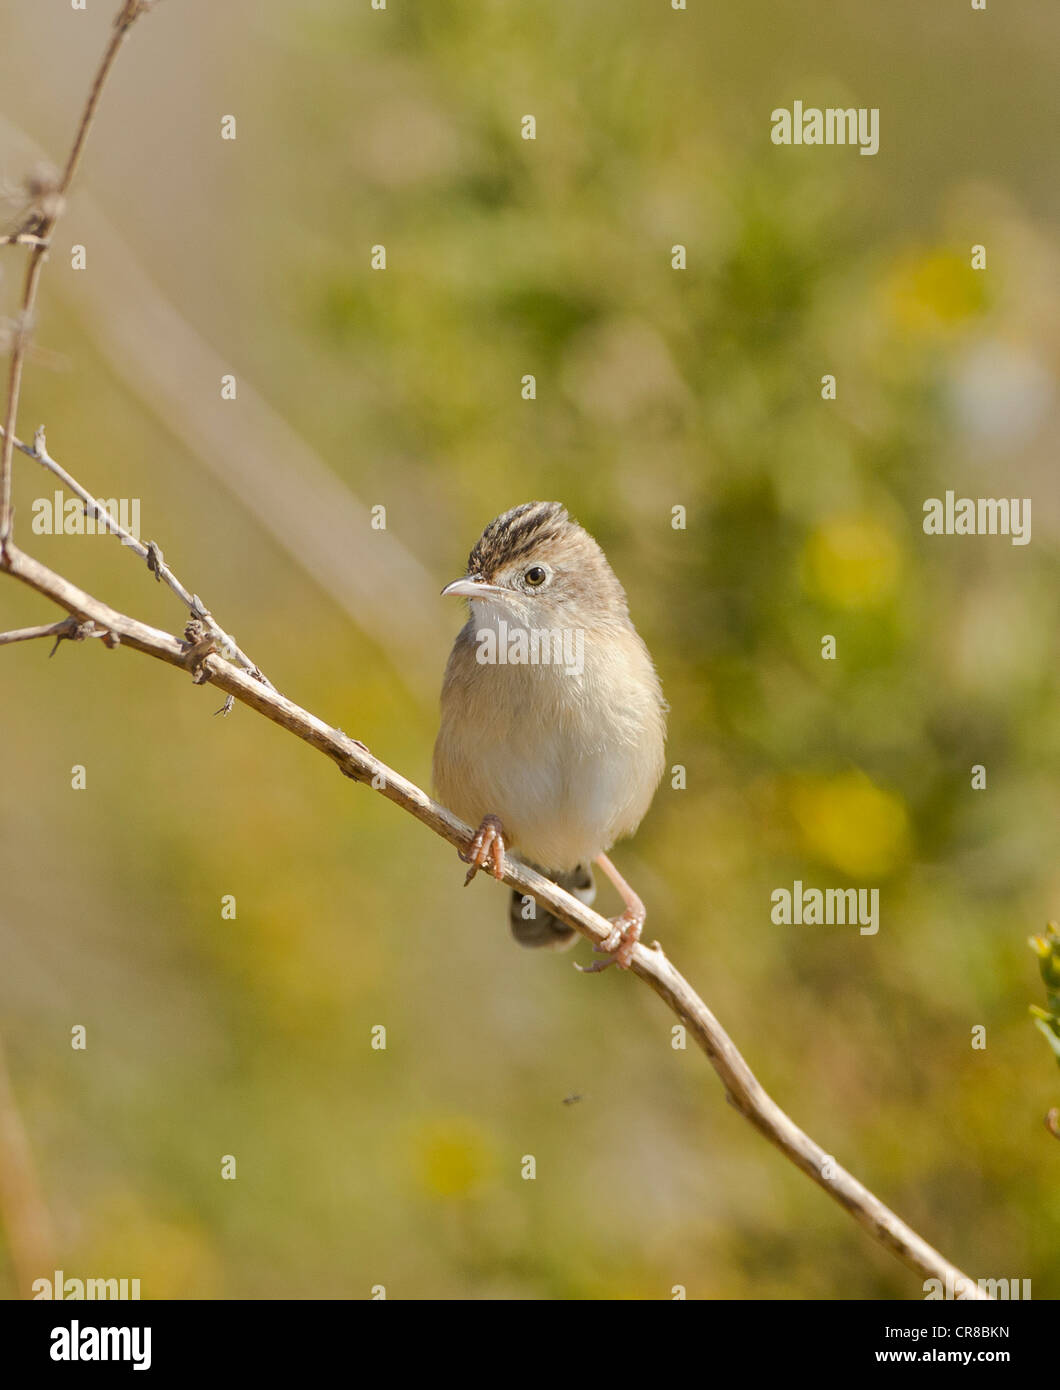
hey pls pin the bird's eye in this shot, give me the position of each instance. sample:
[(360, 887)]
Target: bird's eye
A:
[(535, 576)]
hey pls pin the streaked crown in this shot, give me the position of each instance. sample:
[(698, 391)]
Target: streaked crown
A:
[(543, 557), (517, 534)]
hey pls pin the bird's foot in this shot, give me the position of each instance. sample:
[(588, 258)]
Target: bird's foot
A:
[(486, 850), (618, 945)]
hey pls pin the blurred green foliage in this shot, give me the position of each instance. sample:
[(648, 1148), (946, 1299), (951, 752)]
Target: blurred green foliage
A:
[(656, 388), (1047, 948)]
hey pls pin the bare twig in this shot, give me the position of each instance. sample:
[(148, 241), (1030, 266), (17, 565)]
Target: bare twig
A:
[(650, 963), (49, 208), (151, 553), (27, 1222), (68, 628)]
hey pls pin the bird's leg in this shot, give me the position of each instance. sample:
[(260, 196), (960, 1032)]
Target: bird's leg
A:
[(625, 930), (486, 850)]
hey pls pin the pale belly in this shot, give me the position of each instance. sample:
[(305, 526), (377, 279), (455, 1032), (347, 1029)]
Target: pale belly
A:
[(566, 777)]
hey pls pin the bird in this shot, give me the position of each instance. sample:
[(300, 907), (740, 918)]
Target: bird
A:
[(553, 722)]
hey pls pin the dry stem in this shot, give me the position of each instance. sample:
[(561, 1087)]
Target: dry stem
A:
[(38, 236)]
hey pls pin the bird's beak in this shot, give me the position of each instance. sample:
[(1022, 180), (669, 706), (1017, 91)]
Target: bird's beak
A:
[(473, 586)]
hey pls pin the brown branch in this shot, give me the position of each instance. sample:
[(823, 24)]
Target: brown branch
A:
[(650, 963), (22, 1206), (129, 13), (37, 234), (150, 552), (69, 628)]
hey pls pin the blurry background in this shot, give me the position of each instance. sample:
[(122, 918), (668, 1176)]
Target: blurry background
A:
[(655, 388)]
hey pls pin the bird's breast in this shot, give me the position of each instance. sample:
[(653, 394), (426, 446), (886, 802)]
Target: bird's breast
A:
[(568, 759)]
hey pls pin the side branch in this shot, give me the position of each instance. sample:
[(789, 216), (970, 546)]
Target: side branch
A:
[(36, 233), (649, 963), (151, 553), (65, 627)]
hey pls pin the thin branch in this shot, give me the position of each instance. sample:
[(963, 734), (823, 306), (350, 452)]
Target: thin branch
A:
[(67, 628), (649, 963), (14, 383), (25, 1214), (51, 202), (27, 634), (151, 553), (129, 13)]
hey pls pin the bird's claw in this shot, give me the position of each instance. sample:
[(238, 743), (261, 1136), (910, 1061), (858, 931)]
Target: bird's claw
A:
[(486, 850), (618, 945), (597, 965)]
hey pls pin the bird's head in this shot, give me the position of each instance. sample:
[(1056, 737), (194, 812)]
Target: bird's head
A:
[(536, 567)]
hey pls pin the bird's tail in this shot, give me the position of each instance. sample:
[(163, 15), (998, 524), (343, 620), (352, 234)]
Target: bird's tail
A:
[(533, 925)]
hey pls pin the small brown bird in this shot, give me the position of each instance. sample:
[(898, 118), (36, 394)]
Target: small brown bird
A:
[(553, 719)]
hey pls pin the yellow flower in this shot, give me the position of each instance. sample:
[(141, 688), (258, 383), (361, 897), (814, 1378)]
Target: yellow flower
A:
[(454, 1157), (850, 823), (852, 561), (934, 293)]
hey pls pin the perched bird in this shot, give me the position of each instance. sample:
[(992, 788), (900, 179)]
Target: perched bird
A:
[(553, 719)]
